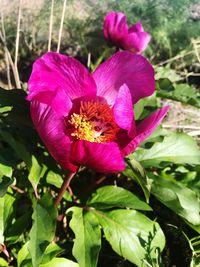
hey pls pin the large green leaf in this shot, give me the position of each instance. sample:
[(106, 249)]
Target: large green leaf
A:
[(112, 196), (132, 235), (87, 241), (135, 171), (43, 229), (182, 200), (178, 148), (6, 210), (60, 262)]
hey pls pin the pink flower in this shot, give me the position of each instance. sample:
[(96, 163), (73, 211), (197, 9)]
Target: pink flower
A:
[(87, 119), (117, 32)]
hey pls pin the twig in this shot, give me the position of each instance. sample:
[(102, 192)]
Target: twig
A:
[(17, 44), (194, 133), (175, 58), (89, 60), (50, 25), (64, 187), (5, 52), (17, 189), (61, 25), (9, 58), (185, 127)]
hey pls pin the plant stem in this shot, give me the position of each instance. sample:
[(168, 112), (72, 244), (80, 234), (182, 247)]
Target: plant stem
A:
[(64, 187)]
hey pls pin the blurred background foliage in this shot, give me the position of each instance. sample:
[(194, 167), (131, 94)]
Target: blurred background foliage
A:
[(174, 26)]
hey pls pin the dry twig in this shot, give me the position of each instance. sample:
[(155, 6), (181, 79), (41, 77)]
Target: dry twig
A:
[(61, 25), (50, 25)]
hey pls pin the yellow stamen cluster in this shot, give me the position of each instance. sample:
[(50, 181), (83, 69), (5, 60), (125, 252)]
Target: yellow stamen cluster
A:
[(83, 128), (95, 123)]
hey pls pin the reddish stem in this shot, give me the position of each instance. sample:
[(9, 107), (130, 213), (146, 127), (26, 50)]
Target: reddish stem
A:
[(64, 187)]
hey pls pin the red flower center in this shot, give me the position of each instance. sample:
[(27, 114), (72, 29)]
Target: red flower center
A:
[(94, 123)]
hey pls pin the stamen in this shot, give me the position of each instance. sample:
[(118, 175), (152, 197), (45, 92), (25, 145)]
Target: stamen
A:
[(95, 123)]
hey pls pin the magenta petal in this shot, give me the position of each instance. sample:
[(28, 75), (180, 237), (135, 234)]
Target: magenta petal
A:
[(51, 129), (137, 27), (115, 27), (144, 129), (58, 100), (136, 41), (124, 68), (123, 110), (54, 72), (104, 157)]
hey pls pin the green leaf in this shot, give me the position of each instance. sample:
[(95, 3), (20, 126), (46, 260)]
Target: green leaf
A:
[(182, 200), (6, 209), (24, 257), (167, 73), (135, 171), (139, 107), (60, 262), (14, 98), (132, 235), (3, 263), (36, 172), (112, 196), (54, 179), (43, 229), (51, 252), (18, 146), (4, 184), (87, 241), (1, 220), (180, 92), (5, 170), (18, 227), (178, 148)]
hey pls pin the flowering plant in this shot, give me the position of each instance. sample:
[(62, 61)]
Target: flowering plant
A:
[(102, 121), (86, 119)]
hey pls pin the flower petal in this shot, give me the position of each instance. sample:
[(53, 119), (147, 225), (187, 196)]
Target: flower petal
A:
[(124, 67), (58, 100), (144, 129), (104, 157), (115, 27), (51, 129), (58, 75), (123, 111), (137, 27), (136, 41)]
